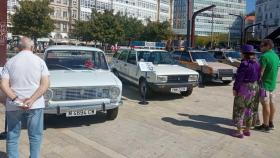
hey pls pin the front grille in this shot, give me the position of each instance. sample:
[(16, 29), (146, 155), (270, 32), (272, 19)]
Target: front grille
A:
[(225, 72), (67, 94), (178, 79)]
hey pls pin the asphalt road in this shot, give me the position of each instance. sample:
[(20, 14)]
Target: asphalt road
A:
[(198, 126)]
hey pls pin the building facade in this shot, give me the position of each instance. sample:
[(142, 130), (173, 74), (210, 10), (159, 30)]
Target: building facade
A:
[(268, 14), (221, 22), (64, 14), (141, 9)]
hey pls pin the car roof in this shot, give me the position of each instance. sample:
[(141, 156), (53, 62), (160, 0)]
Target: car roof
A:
[(71, 47), (191, 51), (229, 50), (150, 50)]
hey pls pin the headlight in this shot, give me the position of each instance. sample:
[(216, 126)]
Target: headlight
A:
[(48, 95), (114, 92), (193, 78), (162, 78)]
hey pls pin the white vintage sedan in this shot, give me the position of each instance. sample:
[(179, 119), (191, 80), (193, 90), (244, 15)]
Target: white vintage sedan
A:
[(81, 82)]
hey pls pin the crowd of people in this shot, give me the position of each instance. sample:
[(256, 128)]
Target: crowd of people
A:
[(255, 82)]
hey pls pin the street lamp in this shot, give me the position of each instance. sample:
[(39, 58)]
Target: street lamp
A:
[(193, 22), (246, 29), (242, 19)]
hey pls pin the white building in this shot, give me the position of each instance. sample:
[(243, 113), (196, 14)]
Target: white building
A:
[(222, 21), (140, 9), (268, 14)]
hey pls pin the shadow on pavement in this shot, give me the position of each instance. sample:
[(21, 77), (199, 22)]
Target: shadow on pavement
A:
[(209, 119), (215, 84), (3, 154), (131, 92), (207, 123), (54, 121)]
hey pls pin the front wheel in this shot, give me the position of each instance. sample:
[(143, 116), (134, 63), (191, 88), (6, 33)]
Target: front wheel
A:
[(187, 93), (226, 82), (112, 114)]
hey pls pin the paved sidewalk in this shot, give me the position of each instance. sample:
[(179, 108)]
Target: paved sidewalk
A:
[(169, 127)]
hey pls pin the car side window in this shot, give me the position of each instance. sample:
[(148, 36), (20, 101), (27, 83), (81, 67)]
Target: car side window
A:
[(177, 55), (123, 55), (219, 55), (116, 55), (132, 58), (186, 56)]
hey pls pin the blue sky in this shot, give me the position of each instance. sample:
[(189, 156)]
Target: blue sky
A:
[(251, 4)]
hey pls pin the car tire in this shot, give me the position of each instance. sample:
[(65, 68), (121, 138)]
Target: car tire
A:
[(143, 83), (227, 82), (112, 114), (187, 93)]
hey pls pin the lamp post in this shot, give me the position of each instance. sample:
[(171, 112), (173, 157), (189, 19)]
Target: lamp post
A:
[(242, 19), (247, 28), (3, 32), (193, 22), (189, 16)]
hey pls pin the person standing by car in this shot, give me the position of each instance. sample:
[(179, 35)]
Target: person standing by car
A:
[(24, 80), (269, 69), (245, 91)]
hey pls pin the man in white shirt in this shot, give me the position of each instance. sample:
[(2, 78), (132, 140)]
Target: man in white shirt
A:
[(24, 80)]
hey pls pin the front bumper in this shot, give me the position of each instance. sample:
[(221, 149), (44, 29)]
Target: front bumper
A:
[(166, 87), (61, 107)]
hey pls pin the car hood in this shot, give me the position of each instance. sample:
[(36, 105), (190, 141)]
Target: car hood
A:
[(173, 70), (217, 66), (87, 78)]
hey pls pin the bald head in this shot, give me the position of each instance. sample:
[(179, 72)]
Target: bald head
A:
[(26, 44)]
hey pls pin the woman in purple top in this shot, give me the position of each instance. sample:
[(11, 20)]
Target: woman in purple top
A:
[(246, 91)]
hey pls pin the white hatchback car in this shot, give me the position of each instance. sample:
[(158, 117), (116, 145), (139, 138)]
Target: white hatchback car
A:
[(167, 76), (81, 82)]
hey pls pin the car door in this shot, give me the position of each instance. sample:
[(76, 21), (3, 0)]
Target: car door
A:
[(123, 68), (115, 61), (132, 67)]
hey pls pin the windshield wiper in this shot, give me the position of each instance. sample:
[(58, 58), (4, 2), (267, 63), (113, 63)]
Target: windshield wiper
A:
[(67, 68), (83, 66)]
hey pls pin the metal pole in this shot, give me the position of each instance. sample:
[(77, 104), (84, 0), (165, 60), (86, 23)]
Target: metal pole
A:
[(3, 32), (189, 15), (193, 22), (158, 10), (242, 19), (212, 28)]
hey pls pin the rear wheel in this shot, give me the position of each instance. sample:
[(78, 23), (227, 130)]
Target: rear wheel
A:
[(187, 93), (112, 114)]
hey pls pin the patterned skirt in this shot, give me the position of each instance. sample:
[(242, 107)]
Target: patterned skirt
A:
[(245, 106)]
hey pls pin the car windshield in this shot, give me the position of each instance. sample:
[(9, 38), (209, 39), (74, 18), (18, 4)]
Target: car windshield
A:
[(209, 57), (156, 57), (75, 60), (233, 54)]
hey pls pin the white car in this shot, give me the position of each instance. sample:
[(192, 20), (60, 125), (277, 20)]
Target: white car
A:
[(81, 82), (167, 75)]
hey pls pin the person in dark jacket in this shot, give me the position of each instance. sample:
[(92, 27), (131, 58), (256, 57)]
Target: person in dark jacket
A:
[(246, 91)]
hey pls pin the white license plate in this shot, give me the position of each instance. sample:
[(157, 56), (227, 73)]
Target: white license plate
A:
[(226, 78), (178, 90), (74, 113)]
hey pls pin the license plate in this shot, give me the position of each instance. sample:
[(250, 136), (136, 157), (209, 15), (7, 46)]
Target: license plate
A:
[(74, 113), (178, 90), (226, 78)]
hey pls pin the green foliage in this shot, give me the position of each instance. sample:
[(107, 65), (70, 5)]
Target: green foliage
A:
[(83, 31), (206, 40), (156, 31), (32, 19)]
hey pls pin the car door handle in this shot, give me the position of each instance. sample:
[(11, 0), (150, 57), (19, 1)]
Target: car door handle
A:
[(125, 64)]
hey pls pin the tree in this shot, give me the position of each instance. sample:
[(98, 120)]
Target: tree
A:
[(157, 31), (133, 28), (83, 31), (32, 19), (106, 27)]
